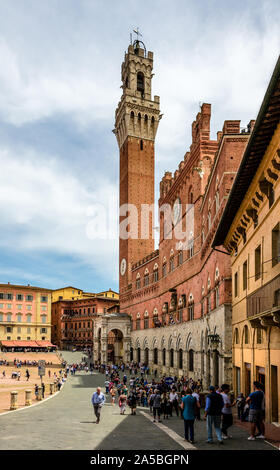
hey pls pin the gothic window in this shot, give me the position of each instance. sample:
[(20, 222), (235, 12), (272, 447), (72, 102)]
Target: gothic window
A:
[(146, 320), (191, 360), (164, 270), (146, 278), (140, 83), (180, 257), (217, 297), (172, 264), (191, 310), (180, 359), (191, 245), (180, 315)]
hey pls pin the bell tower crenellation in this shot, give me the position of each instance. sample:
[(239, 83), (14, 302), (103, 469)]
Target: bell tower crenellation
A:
[(137, 114)]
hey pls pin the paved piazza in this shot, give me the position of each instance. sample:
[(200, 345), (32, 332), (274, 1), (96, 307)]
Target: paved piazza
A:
[(66, 421)]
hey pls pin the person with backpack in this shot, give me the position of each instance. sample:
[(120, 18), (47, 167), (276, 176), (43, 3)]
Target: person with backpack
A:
[(188, 406), (132, 401), (213, 412), (156, 400)]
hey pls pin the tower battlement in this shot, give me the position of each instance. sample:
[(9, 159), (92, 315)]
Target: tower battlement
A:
[(137, 114)]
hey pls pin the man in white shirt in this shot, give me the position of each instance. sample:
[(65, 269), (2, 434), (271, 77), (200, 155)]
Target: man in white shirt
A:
[(98, 399), (173, 397), (227, 419)]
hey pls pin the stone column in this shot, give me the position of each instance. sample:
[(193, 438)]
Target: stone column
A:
[(126, 348), (51, 388), (28, 398), (14, 402), (39, 397)]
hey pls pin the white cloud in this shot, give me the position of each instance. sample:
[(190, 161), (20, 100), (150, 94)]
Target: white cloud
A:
[(47, 210)]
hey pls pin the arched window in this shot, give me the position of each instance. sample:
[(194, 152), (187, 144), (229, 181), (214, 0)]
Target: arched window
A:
[(141, 144), (236, 336), (138, 321), (146, 278), (164, 357), (164, 270), (246, 334), (191, 360), (180, 358), (146, 319), (155, 272), (171, 357), (140, 83), (138, 281), (180, 257), (155, 356)]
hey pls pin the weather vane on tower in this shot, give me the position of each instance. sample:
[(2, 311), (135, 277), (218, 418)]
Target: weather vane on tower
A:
[(136, 43)]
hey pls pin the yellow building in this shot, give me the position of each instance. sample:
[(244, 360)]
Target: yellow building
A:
[(72, 293), (25, 314), (250, 231)]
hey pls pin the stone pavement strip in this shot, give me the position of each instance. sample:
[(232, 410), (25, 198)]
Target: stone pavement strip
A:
[(66, 421)]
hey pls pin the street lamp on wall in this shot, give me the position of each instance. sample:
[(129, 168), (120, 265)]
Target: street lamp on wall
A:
[(214, 340)]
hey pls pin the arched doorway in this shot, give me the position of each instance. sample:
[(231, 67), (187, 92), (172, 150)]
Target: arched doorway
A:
[(115, 346), (131, 354)]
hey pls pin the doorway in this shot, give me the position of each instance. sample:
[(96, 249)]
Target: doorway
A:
[(274, 394)]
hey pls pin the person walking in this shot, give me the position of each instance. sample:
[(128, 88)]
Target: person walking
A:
[(197, 409), (98, 399), (213, 411), (173, 397), (27, 375), (113, 395), (256, 414), (227, 419), (188, 406), (122, 403), (156, 405)]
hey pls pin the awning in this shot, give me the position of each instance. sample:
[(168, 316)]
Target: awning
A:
[(10, 344), (45, 344), (25, 344)]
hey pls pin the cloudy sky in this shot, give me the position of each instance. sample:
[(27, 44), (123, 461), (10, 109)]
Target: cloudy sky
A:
[(59, 87)]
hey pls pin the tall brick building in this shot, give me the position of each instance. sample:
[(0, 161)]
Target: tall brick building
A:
[(179, 296)]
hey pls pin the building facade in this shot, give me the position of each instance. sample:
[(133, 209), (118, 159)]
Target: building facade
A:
[(25, 314), (72, 320), (72, 293), (179, 296), (250, 231)]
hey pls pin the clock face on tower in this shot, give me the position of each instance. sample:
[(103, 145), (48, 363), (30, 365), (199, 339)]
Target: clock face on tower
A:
[(176, 210), (123, 266)]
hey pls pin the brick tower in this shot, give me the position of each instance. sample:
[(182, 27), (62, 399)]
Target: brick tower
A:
[(137, 118)]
